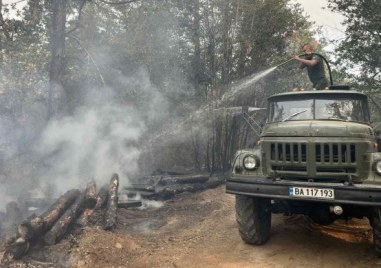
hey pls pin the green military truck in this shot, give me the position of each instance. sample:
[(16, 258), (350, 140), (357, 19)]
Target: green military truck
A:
[(317, 155)]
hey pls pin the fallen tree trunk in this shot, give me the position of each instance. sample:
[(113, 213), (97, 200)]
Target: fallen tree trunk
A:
[(61, 226), (185, 179), (84, 218), (144, 185), (154, 185), (141, 188), (130, 204), (168, 191), (91, 195), (30, 227), (101, 199), (37, 225), (112, 203), (15, 251)]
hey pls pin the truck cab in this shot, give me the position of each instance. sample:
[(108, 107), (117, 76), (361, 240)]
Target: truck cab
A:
[(317, 155)]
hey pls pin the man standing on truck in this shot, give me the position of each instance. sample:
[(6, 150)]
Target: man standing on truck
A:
[(315, 67)]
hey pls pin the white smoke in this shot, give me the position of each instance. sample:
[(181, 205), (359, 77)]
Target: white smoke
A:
[(101, 138), (95, 143)]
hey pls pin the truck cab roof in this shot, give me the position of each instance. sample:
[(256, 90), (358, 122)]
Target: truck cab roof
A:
[(317, 93)]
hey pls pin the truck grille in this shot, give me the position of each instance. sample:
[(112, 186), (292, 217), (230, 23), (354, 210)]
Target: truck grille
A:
[(335, 153), (290, 152), (313, 160)]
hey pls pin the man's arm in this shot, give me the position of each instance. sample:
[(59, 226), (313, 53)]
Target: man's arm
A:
[(305, 62)]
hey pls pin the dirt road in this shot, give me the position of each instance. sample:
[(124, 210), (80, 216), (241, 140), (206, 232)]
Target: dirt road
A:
[(199, 230)]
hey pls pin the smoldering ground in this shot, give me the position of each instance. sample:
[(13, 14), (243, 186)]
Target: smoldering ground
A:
[(103, 131), (101, 137)]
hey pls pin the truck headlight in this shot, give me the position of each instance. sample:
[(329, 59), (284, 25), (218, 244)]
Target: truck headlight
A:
[(250, 162), (377, 167)]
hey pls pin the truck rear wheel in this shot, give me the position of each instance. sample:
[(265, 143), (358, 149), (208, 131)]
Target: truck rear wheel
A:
[(253, 219), (376, 225)]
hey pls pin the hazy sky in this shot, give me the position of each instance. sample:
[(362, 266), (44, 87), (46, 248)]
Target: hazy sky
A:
[(330, 22), (313, 8), (316, 9), (319, 12), (12, 1)]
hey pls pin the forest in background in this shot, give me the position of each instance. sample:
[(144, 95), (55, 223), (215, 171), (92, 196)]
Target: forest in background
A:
[(89, 88)]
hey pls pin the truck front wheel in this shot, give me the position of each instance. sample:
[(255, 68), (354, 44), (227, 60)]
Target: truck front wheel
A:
[(376, 225), (253, 218)]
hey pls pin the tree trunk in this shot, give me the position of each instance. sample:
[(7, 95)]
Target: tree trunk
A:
[(90, 195), (15, 251), (130, 204), (184, 179), (57, 64), (36, 225), (112, 203), (61, 226), (102, 197), (197, 66), (39, 224), (166, 192), (101, 200)]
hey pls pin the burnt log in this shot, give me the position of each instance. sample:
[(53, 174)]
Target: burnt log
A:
[(101, 200), (84, 218), (144, 186), (30, 227), (152, 184), (102, 197), (186, 179), (59, 229), (141, 188), (158, 171), (112, 203), (169, 191), (59, 207), (130, 204), (37, 225), (91, 195), (15, 251)]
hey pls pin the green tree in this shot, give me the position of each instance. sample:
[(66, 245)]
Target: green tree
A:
[(361, 46)]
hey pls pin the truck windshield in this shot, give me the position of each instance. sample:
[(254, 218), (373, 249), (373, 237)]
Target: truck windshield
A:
[(342, 109)]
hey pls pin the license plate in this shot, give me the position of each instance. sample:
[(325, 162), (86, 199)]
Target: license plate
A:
[(318, 193)]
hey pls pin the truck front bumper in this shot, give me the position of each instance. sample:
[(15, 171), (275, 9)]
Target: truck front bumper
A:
[(357, 194)]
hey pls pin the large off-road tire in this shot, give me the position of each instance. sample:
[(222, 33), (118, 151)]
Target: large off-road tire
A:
[(253, 219), (376, 225)]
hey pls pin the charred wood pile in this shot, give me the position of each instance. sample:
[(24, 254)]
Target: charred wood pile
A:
[(75, 209), (53, 224)]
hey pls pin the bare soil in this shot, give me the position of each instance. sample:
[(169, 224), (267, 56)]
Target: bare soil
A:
[(199, 230)]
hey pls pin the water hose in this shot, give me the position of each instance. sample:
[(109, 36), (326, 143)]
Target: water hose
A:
[(313, 53), (326, 62), (283, 63)]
